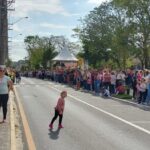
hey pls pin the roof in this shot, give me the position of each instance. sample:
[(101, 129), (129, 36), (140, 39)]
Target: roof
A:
[(65, 55)]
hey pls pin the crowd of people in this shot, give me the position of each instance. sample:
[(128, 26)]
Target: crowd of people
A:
[(13, 74), (103, 81)]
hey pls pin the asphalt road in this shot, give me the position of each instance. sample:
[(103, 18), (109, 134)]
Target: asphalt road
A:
[(90, 122)]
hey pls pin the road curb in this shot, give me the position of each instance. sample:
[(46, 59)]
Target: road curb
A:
[(12, 123), (27, 131), (145, 107)]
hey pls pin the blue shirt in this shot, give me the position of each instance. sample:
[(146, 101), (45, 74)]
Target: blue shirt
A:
[(4, 85)]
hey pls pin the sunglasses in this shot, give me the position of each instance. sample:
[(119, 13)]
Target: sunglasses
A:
[(1, 70)]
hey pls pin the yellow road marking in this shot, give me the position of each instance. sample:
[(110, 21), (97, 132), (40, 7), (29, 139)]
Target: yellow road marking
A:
[(30, 141)]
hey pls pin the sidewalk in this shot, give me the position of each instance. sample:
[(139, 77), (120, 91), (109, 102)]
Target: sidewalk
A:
[(7, 130), (5, 134)]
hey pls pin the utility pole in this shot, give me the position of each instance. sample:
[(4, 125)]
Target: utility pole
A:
[(3, 32)]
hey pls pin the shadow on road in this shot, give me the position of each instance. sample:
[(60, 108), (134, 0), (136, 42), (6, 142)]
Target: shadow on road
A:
[(54, 135)]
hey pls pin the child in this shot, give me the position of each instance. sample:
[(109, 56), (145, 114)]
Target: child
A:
[(120, 89), (105, 92), (59, 110)]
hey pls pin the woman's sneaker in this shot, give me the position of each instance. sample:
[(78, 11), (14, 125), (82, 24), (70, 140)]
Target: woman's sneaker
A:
[(3, 121), (60, 126), (50, 126)]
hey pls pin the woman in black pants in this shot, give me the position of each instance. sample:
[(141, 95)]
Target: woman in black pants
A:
[(5, 86)]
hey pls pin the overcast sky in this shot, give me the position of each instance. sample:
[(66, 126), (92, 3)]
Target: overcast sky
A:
[(46, 17)]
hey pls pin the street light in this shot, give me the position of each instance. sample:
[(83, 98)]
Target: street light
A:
[(18, 20), (10, 41), (15, 23), (13, 37), (16, 35)]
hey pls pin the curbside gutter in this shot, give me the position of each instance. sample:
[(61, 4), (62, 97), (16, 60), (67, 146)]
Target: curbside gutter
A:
[(27, 131), (131, 103), (125, 101), (12, 123)]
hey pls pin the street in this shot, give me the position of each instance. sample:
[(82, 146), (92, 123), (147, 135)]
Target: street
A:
[(90, 122)]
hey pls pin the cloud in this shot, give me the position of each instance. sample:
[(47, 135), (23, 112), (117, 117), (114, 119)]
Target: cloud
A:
[(76, 3), (55, 26), (96, 2), (24, 7)]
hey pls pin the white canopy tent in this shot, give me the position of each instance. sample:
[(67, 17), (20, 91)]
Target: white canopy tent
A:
[(65, 56)]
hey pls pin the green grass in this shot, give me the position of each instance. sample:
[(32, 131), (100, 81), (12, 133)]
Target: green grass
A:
[(123, 96)]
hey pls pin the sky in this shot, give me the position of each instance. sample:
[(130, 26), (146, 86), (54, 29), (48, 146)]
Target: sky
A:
[(45, 18)]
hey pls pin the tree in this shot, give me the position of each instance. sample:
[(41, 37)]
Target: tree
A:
[(105, 28), (123, 26), (138, 13), (95, 34), (60, 42), (48, 55), (9, 62), (40, 51)]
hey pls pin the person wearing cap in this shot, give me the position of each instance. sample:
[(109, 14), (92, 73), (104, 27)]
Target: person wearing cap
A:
[(5, 86)]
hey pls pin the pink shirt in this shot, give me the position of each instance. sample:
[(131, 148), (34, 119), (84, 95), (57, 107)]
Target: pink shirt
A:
[(106, 77), (99, 76), (139, 76), (60, 105)]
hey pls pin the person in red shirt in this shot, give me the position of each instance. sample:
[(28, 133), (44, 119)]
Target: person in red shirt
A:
[(107, 80), (59, 109), (120, 89)]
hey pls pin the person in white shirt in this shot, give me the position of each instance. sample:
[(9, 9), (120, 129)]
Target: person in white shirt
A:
[(5, 86), (113, 83), (120, 78)]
